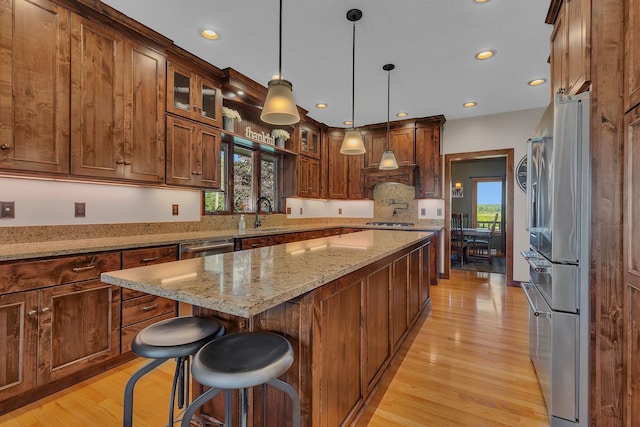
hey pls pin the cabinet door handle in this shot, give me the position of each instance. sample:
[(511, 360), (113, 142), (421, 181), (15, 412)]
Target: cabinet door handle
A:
[(255, 245), (146, 260), (85, 268), (45, 309), (127, 162), (149, 307), (119, 162), (32, 312), (196, 173), (5, 146)]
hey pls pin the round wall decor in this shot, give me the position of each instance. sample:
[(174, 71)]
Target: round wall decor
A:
[(521, 173)]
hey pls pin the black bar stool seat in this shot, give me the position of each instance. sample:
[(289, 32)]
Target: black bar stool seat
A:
[(240, 361), (176, 338)]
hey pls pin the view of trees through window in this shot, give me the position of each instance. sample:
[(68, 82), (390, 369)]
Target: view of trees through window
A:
[(215, 201), (488, 201), (242, 180), (268, 178)]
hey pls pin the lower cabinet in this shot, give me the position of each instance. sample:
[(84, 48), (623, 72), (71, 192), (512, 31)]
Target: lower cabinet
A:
[(57, 319)]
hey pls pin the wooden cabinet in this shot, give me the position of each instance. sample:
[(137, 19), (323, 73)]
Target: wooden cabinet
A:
[(570, 46), (344, 172), (401, 141), (308, 141), (34, 86), (428, 158), (139, 309), (193, 96), (376, 324), (18, 340), (308, 177), (117, 97), (193, 154), (399, 301), (632, 56), (63, 318), (375, 142)]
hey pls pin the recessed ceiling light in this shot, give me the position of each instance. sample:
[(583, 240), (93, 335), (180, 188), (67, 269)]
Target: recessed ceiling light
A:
[(481, 1), (321, 105), (347, 123), (402, 114), (485, 54), (537, 82), (209, 34), (470, 104)]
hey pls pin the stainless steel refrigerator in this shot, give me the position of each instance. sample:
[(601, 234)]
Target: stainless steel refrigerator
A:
[(558, 219)]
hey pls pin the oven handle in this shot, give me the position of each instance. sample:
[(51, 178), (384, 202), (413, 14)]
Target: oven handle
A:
[(195, 249), (525, 288)]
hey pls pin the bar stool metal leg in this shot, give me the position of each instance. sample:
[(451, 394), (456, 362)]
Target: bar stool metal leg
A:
[(128, 391)]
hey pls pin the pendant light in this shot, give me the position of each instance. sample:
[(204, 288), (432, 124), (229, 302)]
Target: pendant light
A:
[(388, 161), (280, 107), (352, 143)]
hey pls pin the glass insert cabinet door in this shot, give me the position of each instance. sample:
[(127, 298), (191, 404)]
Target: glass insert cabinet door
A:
[(193, 96), (309, 141)]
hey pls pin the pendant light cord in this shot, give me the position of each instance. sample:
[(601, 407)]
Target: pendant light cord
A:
[(388, 104), (353, 79), (280, 45)]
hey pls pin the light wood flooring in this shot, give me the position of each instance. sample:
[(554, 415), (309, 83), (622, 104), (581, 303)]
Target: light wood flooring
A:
[(467, 365)]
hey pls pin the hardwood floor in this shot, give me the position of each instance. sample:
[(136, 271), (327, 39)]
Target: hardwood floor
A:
[(468, 365)]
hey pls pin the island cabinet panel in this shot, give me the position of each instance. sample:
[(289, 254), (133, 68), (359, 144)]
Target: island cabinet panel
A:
[(399, 303), (18, 340), (428, 271), (414, 302), (34, 86), (376, 324)]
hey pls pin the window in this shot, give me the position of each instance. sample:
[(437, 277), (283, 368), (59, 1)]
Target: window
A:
[(252, 174), (487, 202)]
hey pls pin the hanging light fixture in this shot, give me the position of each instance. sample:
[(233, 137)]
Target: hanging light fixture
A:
[(352, 143), (388, 161), (280, 107)]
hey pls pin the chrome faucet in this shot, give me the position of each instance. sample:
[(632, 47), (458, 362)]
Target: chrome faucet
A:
[(261, 199)]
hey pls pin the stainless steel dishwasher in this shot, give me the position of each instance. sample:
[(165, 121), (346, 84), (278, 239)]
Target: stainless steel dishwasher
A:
[(205, 247)]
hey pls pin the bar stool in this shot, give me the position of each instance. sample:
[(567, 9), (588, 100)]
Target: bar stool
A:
[(240, 361), (176, 338)]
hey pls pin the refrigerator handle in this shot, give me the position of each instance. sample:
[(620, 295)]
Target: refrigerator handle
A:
[(525, 288)]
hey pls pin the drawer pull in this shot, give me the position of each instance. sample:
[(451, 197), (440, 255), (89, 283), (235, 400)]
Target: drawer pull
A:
[(146, 260), (5, 146), (255, 245), (85, 268), (149, 307), (45, 309), (32, 312)]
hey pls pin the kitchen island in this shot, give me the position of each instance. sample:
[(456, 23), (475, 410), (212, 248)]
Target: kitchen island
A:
[(346, 303)]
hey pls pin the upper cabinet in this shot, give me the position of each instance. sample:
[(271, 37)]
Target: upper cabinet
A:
[(338, 167), (632, 56), (117, 114), (428, 158), (34, 86), (570, 45), (193, 96), (308, 140)]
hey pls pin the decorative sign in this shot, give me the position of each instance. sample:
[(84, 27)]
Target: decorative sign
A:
[(261, 137), (521, 174)]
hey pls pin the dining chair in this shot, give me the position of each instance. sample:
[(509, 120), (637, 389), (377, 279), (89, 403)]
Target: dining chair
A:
[(481, 248), (458, 243)]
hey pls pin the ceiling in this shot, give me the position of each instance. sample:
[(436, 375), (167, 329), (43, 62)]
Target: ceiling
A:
[(431, 42)]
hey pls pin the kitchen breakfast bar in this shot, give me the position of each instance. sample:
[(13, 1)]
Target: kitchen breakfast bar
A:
[(346, 303)]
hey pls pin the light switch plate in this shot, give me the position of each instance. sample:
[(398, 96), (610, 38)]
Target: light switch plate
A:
[(80, 210), (423, 211), (439, 212), (175, 209)]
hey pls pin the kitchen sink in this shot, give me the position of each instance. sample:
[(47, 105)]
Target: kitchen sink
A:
[(391, 224)]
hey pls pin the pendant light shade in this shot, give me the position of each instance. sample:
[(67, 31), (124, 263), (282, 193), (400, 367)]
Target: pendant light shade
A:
[(280, 107), (388, 161), (353, 143)]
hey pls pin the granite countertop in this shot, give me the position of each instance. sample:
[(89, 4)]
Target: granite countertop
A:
[(246, 283), (18, 251)]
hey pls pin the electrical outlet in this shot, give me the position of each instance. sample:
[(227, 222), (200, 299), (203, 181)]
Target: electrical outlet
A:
[(7, 209), (339, 211), (439, 212), (175, 209), (423, 211), (80, 210), (288, 211), (300, 211)]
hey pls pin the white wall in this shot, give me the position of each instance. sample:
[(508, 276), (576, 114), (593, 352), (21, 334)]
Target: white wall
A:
[(499, 131), (49, 202)]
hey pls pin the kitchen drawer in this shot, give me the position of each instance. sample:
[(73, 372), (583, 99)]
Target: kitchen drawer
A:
[(147, 256), (40, 273), (130, 332), (145, 307)]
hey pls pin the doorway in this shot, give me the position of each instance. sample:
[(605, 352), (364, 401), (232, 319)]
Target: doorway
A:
[(455, 199)]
